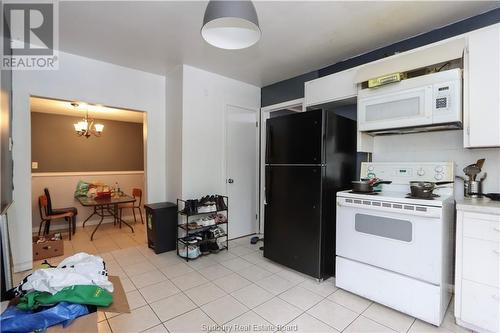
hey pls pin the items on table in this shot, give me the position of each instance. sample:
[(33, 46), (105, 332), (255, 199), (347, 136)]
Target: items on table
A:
[(96, 189)]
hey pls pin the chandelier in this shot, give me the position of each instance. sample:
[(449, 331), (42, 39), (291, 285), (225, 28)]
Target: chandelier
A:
[(86, 127)]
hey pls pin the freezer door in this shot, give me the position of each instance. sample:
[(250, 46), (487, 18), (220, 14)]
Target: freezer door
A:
[(292, 227), (295, 138)]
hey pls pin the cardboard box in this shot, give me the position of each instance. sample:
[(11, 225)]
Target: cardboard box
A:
[(47, 249), (88, 323)]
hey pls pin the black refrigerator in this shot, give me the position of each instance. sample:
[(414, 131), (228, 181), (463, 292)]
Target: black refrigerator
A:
[(309, 157)]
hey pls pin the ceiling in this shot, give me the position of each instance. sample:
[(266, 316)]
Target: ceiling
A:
[(297, 36), (53, 106)]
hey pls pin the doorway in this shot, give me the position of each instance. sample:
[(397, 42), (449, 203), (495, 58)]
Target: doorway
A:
[(67, 161), (242, 169)]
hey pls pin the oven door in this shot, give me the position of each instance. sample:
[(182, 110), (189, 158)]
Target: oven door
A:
[(402, 242), (395, 109)]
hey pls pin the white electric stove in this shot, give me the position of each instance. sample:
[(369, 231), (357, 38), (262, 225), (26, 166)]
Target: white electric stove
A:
[(394, 249)]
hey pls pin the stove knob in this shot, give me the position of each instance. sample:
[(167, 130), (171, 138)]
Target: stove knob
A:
[(420, 172), (370, 168), (438, 169), (438, 176)]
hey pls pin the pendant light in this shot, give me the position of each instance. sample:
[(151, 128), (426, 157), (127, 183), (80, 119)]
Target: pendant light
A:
[(87, 127), (230, 24)]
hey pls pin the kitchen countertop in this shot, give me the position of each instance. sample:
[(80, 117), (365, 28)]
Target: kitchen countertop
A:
[(478, 205)]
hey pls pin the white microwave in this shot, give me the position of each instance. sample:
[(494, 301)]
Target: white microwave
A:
[(424, 103)]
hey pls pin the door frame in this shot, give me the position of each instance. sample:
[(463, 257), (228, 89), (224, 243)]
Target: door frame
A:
[(296, 105), (257, 162)]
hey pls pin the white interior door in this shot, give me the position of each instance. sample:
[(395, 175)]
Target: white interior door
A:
[(241, 170)]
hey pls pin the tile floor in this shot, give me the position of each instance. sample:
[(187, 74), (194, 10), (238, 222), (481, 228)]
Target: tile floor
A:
[(233, 291)]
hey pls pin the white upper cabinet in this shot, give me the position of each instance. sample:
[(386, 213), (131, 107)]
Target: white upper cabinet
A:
[(331, 88), (482, 88)]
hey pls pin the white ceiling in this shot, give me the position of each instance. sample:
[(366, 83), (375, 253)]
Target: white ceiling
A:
[(297, 36), (53, 106)]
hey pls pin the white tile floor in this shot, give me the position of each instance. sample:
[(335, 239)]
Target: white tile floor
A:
[(236, 290)]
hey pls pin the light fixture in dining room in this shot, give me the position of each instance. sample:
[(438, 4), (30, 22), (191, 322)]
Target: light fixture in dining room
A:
[(87, 127), (231, 24)]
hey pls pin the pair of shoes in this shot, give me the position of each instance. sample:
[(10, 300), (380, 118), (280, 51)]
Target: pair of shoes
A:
[(213, 247), (193, 225), (191, 251), (219, 218), (208, 200), (207, 208), (216, 232), (220, 203), (206, 221), (190, 207), (192, 239)]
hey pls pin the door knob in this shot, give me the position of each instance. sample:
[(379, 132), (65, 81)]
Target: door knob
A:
[(230, 180)]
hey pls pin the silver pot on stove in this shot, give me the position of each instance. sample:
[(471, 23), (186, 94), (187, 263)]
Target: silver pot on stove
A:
[(424, 190)]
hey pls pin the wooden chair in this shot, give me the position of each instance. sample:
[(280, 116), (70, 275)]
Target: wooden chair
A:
[(137, 194), (47, 218)]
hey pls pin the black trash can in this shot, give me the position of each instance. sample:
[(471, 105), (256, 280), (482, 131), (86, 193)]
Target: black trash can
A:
[(161, 222)]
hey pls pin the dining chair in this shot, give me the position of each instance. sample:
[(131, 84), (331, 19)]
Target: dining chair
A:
[(137, 194), (55, 211), (47, 218)]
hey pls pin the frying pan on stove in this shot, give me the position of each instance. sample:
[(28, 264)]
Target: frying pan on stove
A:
[(366, 185)]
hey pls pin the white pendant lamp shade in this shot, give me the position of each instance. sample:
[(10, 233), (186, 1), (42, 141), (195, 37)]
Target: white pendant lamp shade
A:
[(230, 24)]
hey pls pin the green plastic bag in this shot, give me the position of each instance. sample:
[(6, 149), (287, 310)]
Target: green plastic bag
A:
[(80, 294), (81, 189)]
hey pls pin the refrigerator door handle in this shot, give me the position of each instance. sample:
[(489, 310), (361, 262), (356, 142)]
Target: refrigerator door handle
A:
[(269, 137), (267, 187)]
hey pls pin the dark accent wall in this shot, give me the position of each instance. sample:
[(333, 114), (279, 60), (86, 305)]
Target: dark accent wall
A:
[(56, 147), (288, 89)]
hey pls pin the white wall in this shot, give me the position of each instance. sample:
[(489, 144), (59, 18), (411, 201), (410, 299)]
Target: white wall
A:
[(435, 147), (82, 79), (205, 98), (62, 188), (174, 133)]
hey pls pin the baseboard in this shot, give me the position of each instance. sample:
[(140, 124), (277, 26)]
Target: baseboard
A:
[(64, 227), (23, 266)]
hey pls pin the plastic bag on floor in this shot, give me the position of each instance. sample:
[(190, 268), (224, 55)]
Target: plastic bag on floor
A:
[(20, 321), (90, 295), (79, 269)]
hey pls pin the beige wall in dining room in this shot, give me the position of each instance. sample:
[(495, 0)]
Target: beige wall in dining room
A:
[(56, 147)]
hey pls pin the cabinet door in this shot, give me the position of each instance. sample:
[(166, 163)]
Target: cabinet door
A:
[(331, 88), (482, 89)]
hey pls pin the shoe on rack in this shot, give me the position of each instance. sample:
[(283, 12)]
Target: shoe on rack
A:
[(206, 208), (193, 225), (193, 251), (203, 200), (213, 247), (206, 221), (204, 248), (220, 218), (216, 232), (221, 204)]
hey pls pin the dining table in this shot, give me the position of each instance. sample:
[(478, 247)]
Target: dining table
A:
[(106, 207)]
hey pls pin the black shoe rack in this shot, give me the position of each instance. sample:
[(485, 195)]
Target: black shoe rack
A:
[(183, 229)]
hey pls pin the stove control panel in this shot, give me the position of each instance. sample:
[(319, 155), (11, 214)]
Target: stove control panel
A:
[(404, 172)]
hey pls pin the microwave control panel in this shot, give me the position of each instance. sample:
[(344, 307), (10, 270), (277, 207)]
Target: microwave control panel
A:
[(442, 93)]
